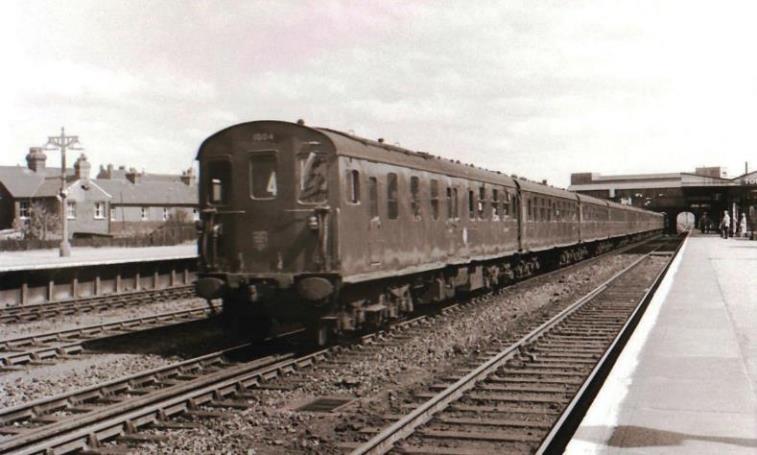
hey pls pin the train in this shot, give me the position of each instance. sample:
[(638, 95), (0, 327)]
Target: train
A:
[(341, 234)]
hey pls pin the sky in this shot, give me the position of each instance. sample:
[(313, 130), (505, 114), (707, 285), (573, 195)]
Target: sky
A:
[(535, 88)]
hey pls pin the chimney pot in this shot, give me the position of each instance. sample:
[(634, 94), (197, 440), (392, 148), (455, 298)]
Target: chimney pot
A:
[(36, 159)]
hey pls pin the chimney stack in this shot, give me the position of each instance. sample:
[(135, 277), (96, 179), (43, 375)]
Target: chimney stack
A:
[(35, 159), (188, 177), (133, 176), (82, 168)]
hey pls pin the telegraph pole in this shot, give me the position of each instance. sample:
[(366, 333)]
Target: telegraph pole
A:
[(63, 142)]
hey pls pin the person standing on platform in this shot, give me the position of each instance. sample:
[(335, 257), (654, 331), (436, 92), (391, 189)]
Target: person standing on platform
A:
[(704, 223), (742, 225), (725, 225)]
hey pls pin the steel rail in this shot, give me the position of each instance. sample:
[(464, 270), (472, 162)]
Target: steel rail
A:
[(386, 439), (70, 341), (89, 429), (78, 432), (561, 433), (20, 313)]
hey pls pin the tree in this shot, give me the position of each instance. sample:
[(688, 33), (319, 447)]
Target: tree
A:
[(44, 222)]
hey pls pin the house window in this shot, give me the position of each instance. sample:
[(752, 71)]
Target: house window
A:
[(99, 210), (392, 205), (23, 210), (143, 213), (112, 213), (195, 215), (71, 210), (353, 182), (165, 213)]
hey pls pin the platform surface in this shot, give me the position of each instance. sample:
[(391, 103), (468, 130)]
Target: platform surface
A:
[(45, 259), (686, 382)]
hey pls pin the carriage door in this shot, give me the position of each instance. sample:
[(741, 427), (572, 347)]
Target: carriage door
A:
[(375, 234)]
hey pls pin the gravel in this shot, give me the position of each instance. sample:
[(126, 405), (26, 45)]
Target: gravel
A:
[(92, 318), (23, 386), (379, 382)]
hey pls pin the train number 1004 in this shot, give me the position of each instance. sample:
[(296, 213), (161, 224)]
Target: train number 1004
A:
[(262, 137)]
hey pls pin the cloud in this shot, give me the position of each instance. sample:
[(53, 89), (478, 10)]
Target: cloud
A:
[(541, 89)]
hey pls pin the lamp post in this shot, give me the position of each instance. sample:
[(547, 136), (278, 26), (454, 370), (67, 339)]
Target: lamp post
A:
[(63, 142)]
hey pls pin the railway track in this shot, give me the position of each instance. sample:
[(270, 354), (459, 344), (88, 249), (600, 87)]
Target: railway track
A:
[(25, 313), (42, 348), (121, 409), (529, 396), (84, 419)]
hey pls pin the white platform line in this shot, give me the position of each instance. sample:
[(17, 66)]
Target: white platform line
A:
[(604, 412)]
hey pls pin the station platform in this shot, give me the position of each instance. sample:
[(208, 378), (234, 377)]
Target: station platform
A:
[(686, 382), (80, 256)]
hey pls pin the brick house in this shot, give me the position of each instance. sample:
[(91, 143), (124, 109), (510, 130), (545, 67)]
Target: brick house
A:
[(36, 188), (142, 202), (116, 202)]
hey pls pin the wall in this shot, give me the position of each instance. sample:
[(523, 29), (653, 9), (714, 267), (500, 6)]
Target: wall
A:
[(7, 207), (128, 219), (85, 221)]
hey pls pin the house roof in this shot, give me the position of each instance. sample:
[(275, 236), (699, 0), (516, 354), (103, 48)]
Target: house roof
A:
[(149, 192), (20, 181)]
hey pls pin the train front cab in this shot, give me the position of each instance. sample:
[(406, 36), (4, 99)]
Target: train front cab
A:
[(265, 245)]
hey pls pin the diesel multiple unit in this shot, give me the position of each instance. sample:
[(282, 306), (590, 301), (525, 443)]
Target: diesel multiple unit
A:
[(341, 233)]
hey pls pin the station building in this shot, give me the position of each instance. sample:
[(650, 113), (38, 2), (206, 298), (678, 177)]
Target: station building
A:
[(116, 202), (707, 190)]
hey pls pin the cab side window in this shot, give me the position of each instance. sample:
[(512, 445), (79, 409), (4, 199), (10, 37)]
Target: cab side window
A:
[(219, 182)]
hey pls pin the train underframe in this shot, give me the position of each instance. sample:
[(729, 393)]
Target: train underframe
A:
[(253, 307)]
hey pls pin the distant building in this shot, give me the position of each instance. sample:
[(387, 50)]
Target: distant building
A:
[(706, 190), (116, 202), (141, 202)]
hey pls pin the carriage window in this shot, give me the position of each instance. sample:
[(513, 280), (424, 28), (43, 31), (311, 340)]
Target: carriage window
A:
[(263, 175), (353, 182), (471, 205), (392, 205), (452, 211), (219, 182), (313, 178), (373, 196), (455, 204), (530, 210), (495, 204), (548, 208), (415, 200), (435, 199), (505, 204), (481, 202)]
